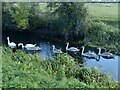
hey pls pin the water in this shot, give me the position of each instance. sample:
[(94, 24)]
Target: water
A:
[(109, 66), (105, 65)]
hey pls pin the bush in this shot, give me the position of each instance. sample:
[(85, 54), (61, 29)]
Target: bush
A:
[(104, 35), (22, 70)]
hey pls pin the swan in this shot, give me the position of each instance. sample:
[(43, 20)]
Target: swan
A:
[(73, 49), (55, 50), (90, 55), (11, 44), (29, 46), (106, 55)]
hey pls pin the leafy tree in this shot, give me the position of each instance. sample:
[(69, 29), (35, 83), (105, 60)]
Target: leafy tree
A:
[(72, 18), (6, 16), (21, 14), (34, 15), (18, 14)]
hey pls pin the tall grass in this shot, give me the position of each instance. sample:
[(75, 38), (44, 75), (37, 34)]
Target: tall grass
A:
[(22, 70)]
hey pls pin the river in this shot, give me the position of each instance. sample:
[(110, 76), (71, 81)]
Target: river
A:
[(110, 66)]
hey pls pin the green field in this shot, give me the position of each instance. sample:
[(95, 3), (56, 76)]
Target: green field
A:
[(103, 11)]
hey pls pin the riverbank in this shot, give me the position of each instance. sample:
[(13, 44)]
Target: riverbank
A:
[(22, 70), (36, 35)]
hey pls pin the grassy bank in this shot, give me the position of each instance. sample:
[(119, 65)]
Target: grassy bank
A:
[(101, 34), (22, 70), (103, 31)]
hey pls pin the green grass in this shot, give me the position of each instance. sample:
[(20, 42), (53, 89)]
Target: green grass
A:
[(104, 30), (0, 66), (102, 11), (22, 70), (97, 10)]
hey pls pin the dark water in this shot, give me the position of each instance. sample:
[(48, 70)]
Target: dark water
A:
[(105, 65)]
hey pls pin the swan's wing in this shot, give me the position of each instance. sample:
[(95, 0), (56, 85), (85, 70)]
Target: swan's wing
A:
[(30, 45), (107, 53), (93, 53), (89, 54), (73, 49), (58, 50), (12, 44)]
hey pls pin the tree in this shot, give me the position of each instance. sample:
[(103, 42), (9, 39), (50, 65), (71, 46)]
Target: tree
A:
[(21, 14), (18, 13), (6, 16), (72, 18)]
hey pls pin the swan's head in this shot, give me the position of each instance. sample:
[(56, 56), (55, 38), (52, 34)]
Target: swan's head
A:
[(67, 43), (7, 38), (98, 48), (53, 46)]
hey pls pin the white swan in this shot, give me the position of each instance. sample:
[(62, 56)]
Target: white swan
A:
[(29, 46), (90, 55), (106, 55), (55, 50), (11, 44), (73, 49)]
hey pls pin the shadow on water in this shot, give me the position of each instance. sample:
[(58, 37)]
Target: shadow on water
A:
[(105, 65)]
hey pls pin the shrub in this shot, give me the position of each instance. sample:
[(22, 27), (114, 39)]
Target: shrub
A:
[(24, 70)]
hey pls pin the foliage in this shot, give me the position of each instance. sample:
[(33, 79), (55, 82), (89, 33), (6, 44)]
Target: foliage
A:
[(6, 17), (0, 66), (71, 18), (39, 16), (25, 70), (60, 73), (101, 34), (23, 15), (19, 13), (67, 20)]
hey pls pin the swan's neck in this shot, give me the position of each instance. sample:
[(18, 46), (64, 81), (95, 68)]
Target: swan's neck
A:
[(83, 50), (53, 48), (98, 58), (21, 45), (67, 46), (99, 51), (8, 40)]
